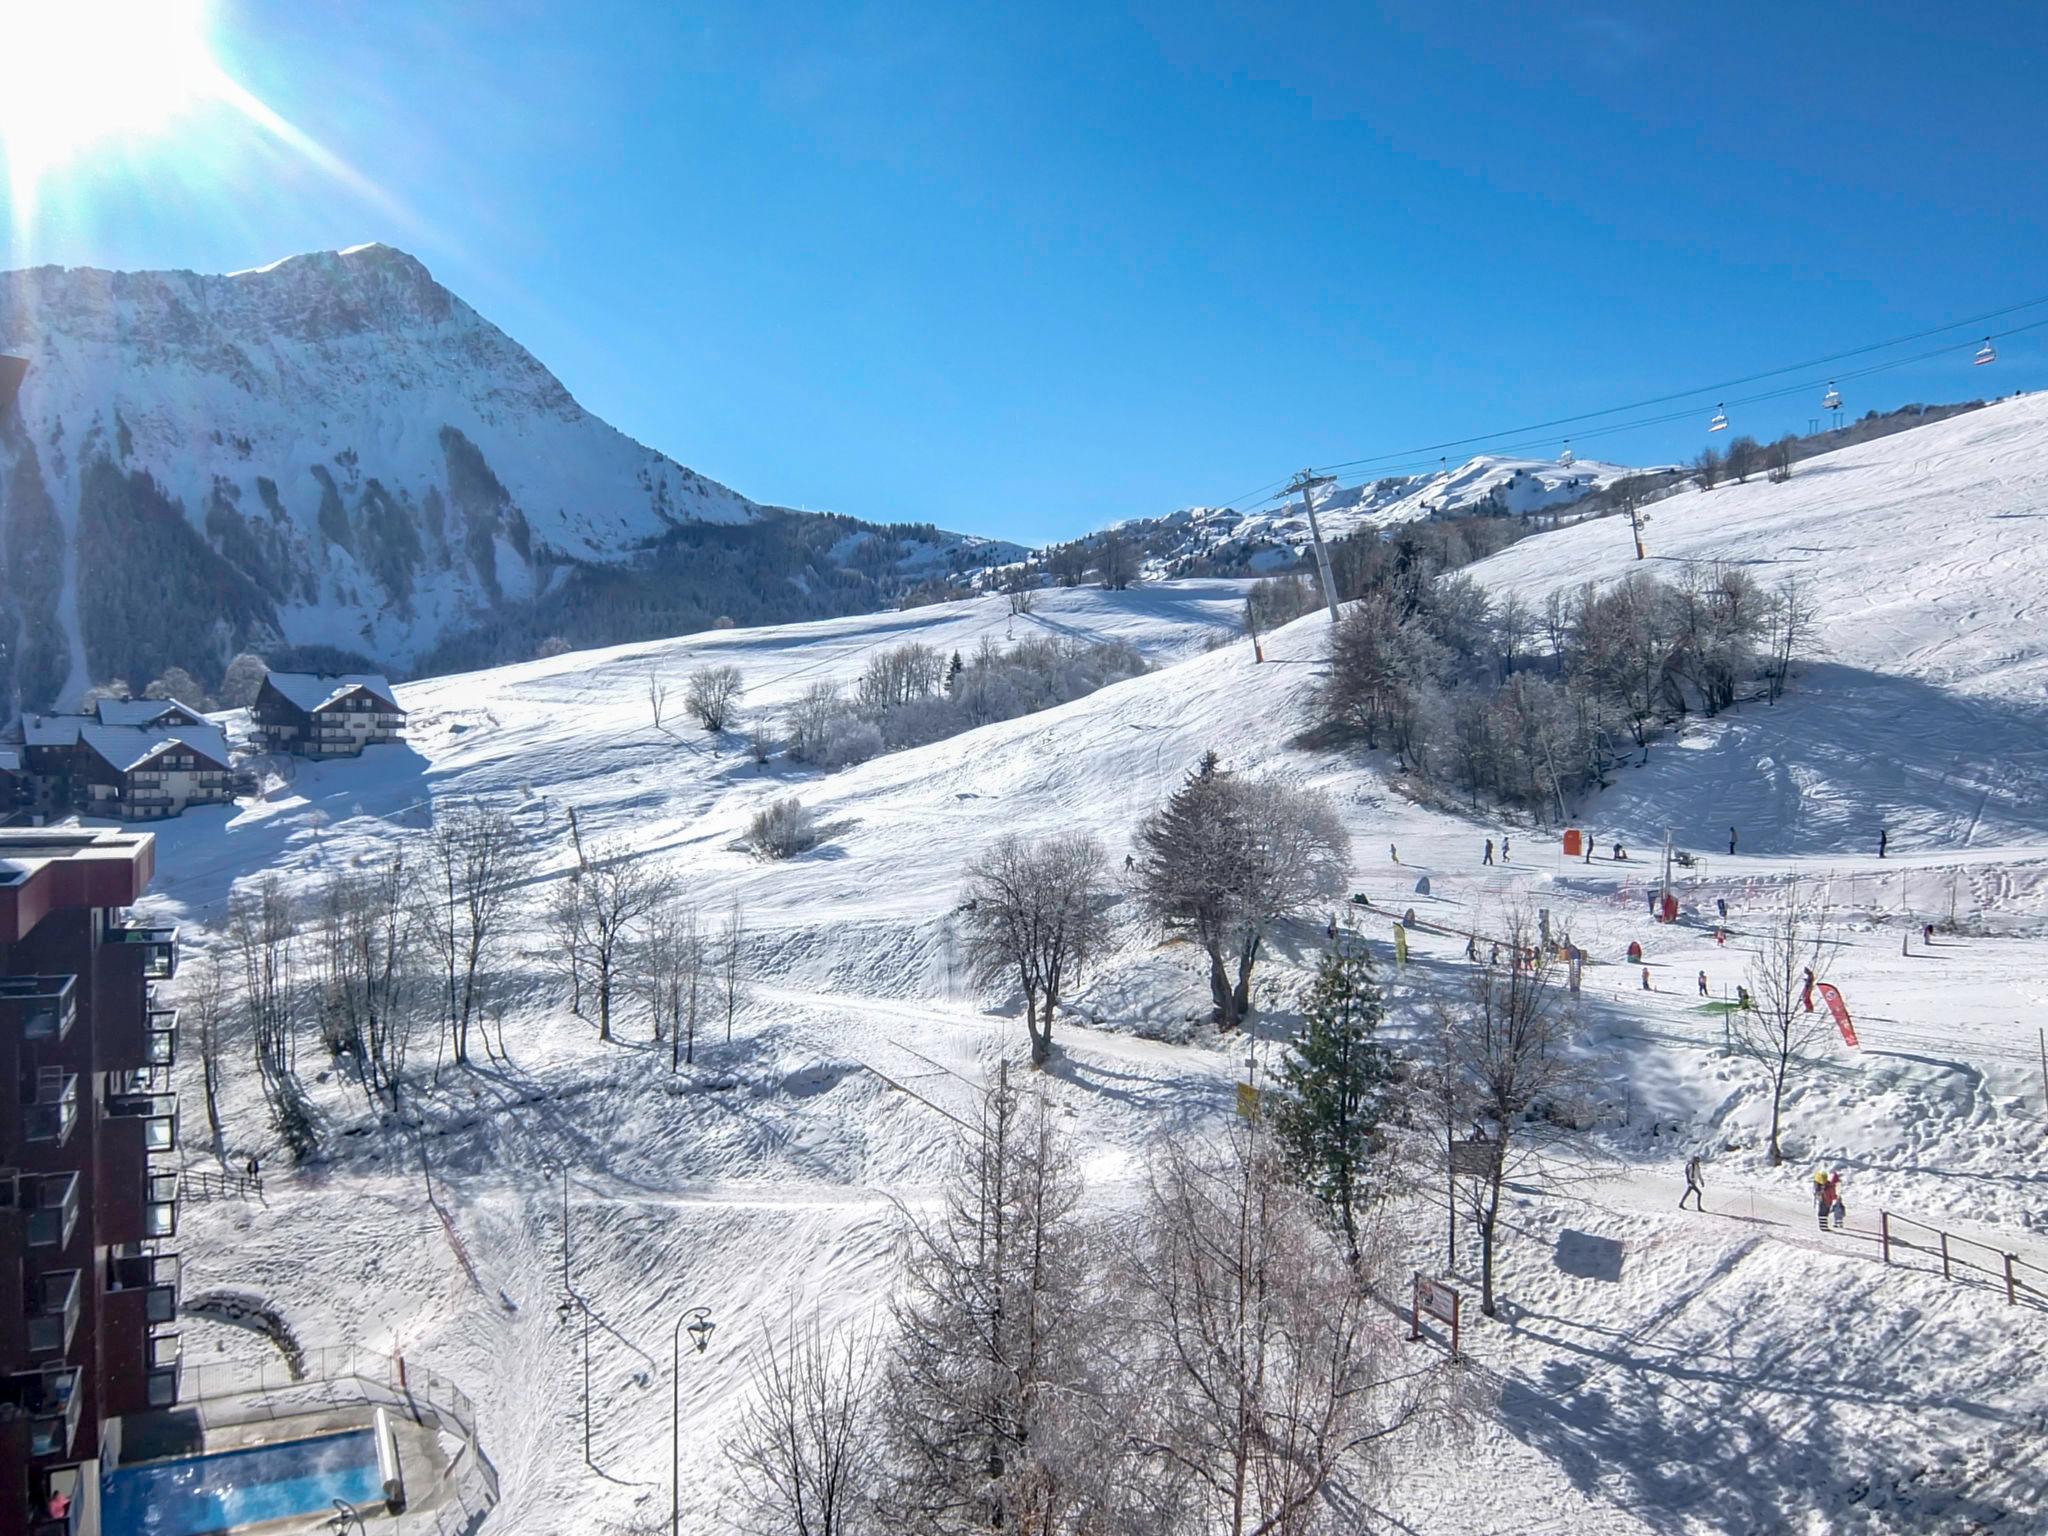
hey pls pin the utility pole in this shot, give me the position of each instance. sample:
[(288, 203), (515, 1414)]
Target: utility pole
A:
[(1305, 482)]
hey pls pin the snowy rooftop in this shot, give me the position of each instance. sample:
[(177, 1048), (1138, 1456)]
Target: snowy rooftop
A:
[(125, 747), (313, 691)]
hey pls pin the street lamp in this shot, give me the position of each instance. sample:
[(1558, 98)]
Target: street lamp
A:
[(697, 1323)]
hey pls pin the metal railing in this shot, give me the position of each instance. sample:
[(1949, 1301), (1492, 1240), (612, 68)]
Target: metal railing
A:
[(224, 1393), (2022, 1282)]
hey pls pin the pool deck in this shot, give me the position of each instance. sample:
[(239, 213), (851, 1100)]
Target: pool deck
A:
[(422, 1461)]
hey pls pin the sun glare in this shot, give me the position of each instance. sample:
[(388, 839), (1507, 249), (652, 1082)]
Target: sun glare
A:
[(91, 76)]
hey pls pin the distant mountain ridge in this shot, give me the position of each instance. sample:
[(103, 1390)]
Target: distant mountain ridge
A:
[(334, 457)]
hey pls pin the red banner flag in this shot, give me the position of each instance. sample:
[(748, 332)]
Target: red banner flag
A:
[(1840, 1010)]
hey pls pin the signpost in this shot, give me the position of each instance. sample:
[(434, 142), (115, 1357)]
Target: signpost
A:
[(1433, 1299)]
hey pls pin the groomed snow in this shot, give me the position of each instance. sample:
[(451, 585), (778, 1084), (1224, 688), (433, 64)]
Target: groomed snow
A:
[(1656, 1372)]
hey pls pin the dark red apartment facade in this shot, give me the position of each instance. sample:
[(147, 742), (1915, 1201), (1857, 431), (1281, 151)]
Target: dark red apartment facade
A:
[(88, 1126)]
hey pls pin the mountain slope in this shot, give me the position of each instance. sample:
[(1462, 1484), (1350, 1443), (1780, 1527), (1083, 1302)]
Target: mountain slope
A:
[(336, 452)]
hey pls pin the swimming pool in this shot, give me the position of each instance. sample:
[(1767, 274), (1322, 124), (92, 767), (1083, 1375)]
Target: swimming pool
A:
[(203, 1495)]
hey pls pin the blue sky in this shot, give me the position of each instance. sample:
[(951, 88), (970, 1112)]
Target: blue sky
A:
[(1030, 269)]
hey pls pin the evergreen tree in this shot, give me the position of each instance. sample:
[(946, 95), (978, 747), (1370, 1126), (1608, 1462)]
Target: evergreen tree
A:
[(1337, 1088)]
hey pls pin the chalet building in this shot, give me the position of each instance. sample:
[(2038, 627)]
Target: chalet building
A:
[(316, 715), (132, 759), (14, 782), (134, 773), (88, 1187)]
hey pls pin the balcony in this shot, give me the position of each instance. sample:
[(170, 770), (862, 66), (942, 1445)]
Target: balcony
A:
[(165, 1358), (54, 1300), (160, 1210), (44, 1006), (162, 1024), (160, 1110), (49, 1116), (62, 1503), (49, 1399), (155, 1274), (52, 1205), (158, 942)]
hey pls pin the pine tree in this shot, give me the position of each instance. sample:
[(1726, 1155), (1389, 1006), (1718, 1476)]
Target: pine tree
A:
[(1337, 1088)]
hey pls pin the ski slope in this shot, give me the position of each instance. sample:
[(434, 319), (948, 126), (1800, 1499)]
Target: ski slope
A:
[(1653, 1372)]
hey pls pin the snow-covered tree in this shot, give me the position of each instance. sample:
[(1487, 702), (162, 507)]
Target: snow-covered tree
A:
[(1034, 917), (1337, 1089), (1226, 858), (243, 680), (713, 696)]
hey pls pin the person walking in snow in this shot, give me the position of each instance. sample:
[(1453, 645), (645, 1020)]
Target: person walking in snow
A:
[(1703, 984), (1646, 980), (1695, 1185), (1731, 842), (1927, 934), (1393, 853), (1504, 849), (1589, 847), (1831, 1201), (1883, 840), (1472, 947), (1820, 1192), (1489, 850)]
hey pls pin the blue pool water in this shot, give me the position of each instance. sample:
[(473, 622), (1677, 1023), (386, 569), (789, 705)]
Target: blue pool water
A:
[(204, 1495)]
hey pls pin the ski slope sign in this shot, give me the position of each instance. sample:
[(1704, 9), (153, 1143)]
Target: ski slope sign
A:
[(1840, 1010)]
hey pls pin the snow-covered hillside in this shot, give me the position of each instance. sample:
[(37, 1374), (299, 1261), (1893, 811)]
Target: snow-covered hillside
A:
[(1276, 535), (333, 450), (1735, 1371)]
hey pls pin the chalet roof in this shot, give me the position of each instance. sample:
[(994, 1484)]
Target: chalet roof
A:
[(52, 730), (313, 691), (125, 747), (143, 711), (10, 759)]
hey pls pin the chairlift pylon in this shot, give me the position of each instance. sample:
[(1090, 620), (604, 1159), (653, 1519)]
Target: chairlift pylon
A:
[(1566, 458), (1986, 353), (1832, 400), (1720, 421)]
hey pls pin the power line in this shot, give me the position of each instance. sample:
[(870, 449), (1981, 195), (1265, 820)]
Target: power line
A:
[(1703, 389)]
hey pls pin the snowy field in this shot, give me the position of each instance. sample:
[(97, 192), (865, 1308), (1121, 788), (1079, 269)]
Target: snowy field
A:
[(1655, 1371)]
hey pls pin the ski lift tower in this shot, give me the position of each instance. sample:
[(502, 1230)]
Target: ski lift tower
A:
[(1306, 482)]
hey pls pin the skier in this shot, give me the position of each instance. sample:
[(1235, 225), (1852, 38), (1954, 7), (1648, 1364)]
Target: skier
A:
[(1731, 842), (1806, 990), (1703, 984), (1646, 980), (1472, 948), (1695, 1186), (1130, 862), (1883, 841), (1489, 850), (1721, 936), (1589, 847), (1494, 958)]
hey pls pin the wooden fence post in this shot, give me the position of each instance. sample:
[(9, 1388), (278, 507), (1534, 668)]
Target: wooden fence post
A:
[(1944, 1256), (2011, 1290), (1884, 1233)]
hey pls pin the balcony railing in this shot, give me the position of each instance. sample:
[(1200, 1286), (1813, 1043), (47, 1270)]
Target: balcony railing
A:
[(153, 1273), (44, 1006), (50, 1400), (160, 1211), (158, 1110), (159, 943), (51, 1201), (162, 1024), (63, 1489), (50, 1115), (53, 1312)]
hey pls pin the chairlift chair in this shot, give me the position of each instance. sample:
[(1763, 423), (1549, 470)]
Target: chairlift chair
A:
[(1566, 458), (1720, 421), (1832, 400), (1986, 353)]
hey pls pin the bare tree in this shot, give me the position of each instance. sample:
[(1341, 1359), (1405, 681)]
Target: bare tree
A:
[(369, 935), (566, 925), (1505, 1068), (671, 960), (1116, 558), (1789, 617), (657, 696), (1275, 1381), (203, 1001), (1034, 917), (263, 927), (1743, 457), (732, 981), (620, 891), (805, 1451), (472, 865), (1227, 858), (1779, 1024), (1706, 469), (714, 696)]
